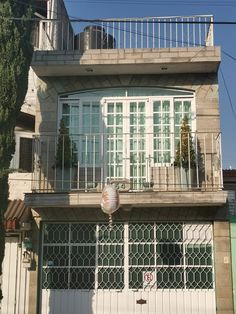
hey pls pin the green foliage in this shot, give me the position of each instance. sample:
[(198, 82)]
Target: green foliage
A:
[(15, 58), (185, 154), (65, 155)]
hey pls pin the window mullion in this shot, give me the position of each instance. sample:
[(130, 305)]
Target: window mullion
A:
[(69, 259), (126, 256), (162, 135), (149, 137), (172, 130), (115, 142), (155, 252), (126, 138), (184, 243), (96, 257)]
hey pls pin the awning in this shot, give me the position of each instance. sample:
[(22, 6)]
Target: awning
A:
[(16, 214)]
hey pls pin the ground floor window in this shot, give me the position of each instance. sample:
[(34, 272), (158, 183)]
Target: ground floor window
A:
[(128, 256)]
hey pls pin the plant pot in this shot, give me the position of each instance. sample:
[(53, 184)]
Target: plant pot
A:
[(185, 178), (148, 185)]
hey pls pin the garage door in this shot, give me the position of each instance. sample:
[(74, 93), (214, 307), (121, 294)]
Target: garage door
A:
[(151, 268)]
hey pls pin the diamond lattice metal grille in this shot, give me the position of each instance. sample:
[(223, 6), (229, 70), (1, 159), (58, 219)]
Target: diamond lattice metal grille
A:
[(128, 256)]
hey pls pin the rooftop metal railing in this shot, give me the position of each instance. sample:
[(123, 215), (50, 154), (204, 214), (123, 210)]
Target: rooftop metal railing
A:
[(134, 162), (125, 33)]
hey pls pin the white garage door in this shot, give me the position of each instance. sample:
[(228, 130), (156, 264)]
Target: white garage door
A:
[(151, 268)]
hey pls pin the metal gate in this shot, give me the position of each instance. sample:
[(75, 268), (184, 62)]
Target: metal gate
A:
[(136, 268)]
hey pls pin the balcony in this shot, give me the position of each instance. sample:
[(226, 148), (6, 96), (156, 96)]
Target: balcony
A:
[(133, 162), (144, 174), (123, 46), (142, 179)]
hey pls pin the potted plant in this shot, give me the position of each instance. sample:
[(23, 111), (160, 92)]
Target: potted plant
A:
[(185, 158), (66, 161)]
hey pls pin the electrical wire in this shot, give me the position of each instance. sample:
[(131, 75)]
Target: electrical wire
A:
[(179, 2), (61, 15), (165, 21), (96, 21), (228, 94), (133, 20), (228, 55), (144, 35), (159, 3)]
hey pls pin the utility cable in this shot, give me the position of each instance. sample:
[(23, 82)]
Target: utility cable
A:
[(228, 55), (144, 35), (228, 94), (159, 3), (133, 20), (41, 8)]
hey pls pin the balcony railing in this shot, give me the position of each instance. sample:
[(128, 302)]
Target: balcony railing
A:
[(133, 162), (125, 33)]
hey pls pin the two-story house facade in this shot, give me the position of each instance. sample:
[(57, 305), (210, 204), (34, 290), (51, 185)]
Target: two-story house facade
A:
[(131, 103)]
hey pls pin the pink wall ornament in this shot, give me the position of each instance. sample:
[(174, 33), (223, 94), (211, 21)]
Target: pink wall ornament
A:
[(110, 201)]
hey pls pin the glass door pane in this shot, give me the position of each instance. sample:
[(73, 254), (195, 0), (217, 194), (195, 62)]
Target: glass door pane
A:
[(162, 131), (90, 144), (137, 143), (182, 108), (114, 130)]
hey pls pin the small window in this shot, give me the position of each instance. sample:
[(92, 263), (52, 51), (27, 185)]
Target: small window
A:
[(25, 162)]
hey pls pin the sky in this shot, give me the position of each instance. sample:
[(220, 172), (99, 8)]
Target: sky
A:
[(224, 36)]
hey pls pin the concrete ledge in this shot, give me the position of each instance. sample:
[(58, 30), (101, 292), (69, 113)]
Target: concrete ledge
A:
[(140, 199), (126, 61)]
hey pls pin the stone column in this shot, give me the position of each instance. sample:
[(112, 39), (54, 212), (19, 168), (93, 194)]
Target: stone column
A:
[(223, 275)]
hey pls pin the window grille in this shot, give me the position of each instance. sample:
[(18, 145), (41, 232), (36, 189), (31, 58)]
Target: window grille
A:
[(93, 256)]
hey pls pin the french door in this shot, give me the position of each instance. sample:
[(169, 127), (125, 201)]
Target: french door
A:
[(128, 140), (123, 138)]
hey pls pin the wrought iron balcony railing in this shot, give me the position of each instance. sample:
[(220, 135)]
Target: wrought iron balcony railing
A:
[(125, 33), (133, 162)]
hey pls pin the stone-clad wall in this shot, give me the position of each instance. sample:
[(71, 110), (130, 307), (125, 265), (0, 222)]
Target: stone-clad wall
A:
[(223, 266), (205, 86)]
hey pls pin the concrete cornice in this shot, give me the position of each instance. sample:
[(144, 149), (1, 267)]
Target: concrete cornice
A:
[(139, 199)]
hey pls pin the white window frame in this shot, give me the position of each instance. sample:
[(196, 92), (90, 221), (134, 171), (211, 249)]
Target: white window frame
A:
[(149, 138), (15, 161)]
